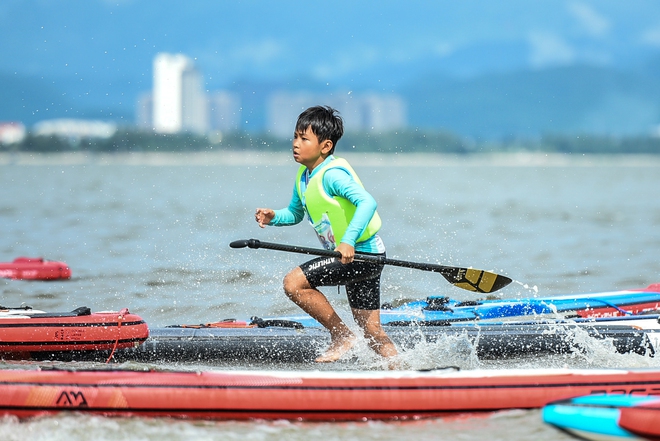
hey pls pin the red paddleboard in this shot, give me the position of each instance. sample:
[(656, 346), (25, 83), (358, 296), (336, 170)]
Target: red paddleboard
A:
[(642, 420), (34, 268), (25, 332), (305, 395)]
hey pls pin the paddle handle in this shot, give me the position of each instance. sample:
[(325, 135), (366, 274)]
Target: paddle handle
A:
[(255, 243)]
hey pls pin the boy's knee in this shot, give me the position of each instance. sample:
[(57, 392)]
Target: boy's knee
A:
[(293, 282), (289, 286)]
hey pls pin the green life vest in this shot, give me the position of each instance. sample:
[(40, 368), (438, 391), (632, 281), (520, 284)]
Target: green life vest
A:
[(338, 210)]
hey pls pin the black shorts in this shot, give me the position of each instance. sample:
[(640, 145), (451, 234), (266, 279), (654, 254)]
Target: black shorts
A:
[(362, 279)]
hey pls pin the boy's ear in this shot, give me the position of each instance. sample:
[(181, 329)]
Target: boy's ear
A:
[(326, 146)]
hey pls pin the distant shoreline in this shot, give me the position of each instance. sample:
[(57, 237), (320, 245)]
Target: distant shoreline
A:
[(239, 158)]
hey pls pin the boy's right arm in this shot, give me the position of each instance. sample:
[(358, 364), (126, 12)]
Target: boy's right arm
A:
[(263, 216), (291, 215)]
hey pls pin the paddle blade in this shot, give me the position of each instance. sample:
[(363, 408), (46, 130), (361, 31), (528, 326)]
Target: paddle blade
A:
[(476, 280)]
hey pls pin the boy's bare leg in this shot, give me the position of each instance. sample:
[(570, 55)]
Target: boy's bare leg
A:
[(376, 336), (314, 303)]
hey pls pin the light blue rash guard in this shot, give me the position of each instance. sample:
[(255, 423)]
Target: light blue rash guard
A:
[(337, 182)]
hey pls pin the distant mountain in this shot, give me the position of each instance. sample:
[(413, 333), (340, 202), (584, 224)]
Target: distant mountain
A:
[(527, 103), (27, 99), (30, 99), (575, 99)]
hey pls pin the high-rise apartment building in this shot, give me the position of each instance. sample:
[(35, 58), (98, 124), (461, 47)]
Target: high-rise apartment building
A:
[(179, 101), (362, 112)]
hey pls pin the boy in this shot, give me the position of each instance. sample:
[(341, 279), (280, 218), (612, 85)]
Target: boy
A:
[(343, 213)]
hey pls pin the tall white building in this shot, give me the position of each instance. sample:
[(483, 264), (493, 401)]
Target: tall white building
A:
[(179, 101)]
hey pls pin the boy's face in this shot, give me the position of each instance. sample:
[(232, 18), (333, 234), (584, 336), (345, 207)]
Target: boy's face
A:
[(307, 150)]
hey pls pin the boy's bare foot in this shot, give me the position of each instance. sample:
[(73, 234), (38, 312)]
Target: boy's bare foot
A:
[(396, 364), (336, 350)]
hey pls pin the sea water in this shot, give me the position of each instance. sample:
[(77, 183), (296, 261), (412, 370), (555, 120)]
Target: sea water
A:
[(152, 233)]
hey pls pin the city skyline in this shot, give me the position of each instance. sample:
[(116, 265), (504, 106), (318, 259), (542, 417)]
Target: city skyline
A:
[(178, 103)]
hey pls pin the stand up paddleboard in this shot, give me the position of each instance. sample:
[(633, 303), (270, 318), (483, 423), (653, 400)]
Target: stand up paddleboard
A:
[(305, 395), (34, 268), (27, 333)]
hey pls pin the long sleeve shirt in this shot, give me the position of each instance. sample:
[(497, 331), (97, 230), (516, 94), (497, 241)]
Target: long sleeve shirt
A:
[(336, 182)]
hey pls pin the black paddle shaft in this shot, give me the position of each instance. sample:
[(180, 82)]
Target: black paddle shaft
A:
[(466, 278)]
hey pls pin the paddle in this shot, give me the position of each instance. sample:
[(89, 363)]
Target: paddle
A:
[(465, 278)]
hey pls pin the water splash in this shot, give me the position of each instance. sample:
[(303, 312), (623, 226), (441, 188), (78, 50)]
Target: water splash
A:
[(446, 351), (534, 289)]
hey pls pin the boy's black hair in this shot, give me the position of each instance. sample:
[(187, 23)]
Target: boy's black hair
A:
[(325, 123)]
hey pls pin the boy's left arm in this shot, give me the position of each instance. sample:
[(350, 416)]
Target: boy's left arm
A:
[(340, 183)]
